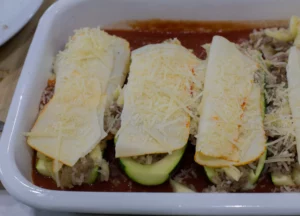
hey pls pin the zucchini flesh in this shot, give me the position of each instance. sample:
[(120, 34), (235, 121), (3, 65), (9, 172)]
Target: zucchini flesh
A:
[(151, 174), (210, 173), (42, 166), (282, 180), (180, 188), (292, 179)]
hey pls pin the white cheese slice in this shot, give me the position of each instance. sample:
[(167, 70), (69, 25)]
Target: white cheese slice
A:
[(72, 123), (228, 83), (252, 138), (293, 77), (73, 127), (155, 116)]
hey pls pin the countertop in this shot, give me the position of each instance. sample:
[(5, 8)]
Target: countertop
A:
[(12, 57)]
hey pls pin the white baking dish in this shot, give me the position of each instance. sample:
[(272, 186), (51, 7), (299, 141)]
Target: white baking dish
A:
[(52, 33)]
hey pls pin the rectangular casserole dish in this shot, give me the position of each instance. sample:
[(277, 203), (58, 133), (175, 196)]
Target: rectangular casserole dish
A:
[(54, 28)]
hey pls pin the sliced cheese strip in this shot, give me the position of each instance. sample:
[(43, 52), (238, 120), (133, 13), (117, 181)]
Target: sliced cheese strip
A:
[(228, 83), (293, 77), (252, 135), (155, 116), (73, 127), (88, 70)]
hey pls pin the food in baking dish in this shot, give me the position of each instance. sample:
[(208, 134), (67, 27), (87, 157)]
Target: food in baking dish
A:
[(212, 111)]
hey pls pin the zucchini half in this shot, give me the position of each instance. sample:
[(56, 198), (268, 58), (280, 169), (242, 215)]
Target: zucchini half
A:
[(152, 174)]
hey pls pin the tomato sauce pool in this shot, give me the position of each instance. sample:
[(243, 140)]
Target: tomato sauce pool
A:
[(192, 35)]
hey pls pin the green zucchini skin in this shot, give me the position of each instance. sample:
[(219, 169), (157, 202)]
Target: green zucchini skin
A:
[(153, 174), (93, 175), (254, 176), (210, 173)]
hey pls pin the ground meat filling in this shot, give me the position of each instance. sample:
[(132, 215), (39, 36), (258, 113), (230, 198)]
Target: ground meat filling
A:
[(274, 58), (282, 155), (47, 94), (226, 184), (78, 174), (149, 158), (223, 183), (112, 119)]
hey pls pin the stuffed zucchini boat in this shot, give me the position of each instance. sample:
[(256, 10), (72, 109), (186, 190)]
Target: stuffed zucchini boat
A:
[(231, 142), (71, 124), (281, 57), (163, 85), (250, 172)]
